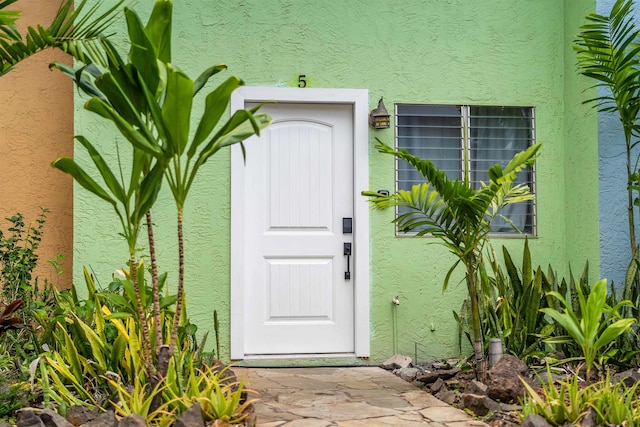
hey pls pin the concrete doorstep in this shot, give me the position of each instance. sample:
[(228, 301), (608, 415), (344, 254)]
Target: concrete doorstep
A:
[(345, 397)]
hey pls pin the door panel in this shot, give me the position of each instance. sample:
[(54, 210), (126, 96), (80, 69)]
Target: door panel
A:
[(298, 186)]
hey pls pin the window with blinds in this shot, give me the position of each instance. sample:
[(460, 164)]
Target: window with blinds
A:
[(463, 138)]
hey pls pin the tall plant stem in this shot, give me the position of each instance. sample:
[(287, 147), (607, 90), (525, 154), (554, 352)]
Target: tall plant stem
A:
[(632, 226), (475, 319), (154, 283), (160, 349), (146, 349), (176, 319)]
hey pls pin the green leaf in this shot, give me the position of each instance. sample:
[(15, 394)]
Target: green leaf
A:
[(143, 141), (69, 166), (215, 106), (612, 331), (176, 110), (158, 29), (98, 346), (106, 173), (204, 77), (118, 349), (568, 323), (149, 190), (72, 357), (79, 78), (142, 53), (119, 98), (240, 126)]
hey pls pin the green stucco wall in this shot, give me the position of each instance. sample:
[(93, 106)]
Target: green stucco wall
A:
[(581, 152), (497, 52)]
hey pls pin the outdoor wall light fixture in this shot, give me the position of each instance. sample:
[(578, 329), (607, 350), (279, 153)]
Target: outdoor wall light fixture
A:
[(379, 117)]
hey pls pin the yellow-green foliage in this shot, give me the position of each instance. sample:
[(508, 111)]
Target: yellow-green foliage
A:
[(566, 402)]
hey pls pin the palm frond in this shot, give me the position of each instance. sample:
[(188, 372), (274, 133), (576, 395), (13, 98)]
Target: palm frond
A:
[(450, 209), (74, 31), (608, 49), (8, 20)]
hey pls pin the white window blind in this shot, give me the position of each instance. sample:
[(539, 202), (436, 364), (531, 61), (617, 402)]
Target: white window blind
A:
[(484, 136)]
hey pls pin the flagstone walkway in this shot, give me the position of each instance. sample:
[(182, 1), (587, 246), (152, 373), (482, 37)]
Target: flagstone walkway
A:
[(345, 397)]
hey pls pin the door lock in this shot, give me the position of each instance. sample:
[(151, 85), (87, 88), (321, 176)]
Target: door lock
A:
[(347, 225), (347, 252)]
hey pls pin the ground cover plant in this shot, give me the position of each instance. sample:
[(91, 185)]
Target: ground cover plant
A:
[(511, 299), (567, 402)]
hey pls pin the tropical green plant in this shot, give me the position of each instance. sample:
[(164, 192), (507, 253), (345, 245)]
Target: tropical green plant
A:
[(19, 289), (221, 397), (15, 390), (18, 259), (593, 331), (458, 215), (614, 402), (511, 302), (150, 102), (136, 399), (559, 405), (567, 402), (103, 332), (75, 30), (608, 52), (624, 353)]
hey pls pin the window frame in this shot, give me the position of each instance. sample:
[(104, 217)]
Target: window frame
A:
[(465, 160)]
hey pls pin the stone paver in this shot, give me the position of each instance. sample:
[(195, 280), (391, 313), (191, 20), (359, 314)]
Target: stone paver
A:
[(345, 397)]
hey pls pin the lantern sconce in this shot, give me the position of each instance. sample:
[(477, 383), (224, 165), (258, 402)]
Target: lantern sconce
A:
[(379, 117)]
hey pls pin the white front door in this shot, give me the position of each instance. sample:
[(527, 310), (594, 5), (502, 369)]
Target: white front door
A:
[(302, 177), (298, 188)]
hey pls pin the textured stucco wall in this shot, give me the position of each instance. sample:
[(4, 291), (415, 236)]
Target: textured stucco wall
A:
[(615, 252), (498, 52), (581, 153), (36, 127)]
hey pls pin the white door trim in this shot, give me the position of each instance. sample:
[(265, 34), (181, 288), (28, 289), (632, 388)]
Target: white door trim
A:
[(359, 98)]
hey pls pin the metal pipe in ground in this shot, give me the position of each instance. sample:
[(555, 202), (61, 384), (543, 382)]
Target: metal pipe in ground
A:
[(495, 351)]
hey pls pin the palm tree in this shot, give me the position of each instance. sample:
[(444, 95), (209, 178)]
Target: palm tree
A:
[(459, 216), (73, 30), (608, 49)]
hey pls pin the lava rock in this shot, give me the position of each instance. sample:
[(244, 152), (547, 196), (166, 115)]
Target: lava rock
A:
[(133, 420), (504, 382), (398, 361), (440, 365), (428, 377), (588, 419), (108, 419), (28, 418), (407, 374), (630, 377), (446, 374), (476, 387), (192, 417), (535, 420), (51, 418), (447, 396), (79, 415), (479, 404), (438, 385)]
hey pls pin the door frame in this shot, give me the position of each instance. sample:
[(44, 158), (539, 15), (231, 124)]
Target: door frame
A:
[(359, 98)]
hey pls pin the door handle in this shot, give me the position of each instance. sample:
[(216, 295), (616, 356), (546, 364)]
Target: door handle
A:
[(347, 252)]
